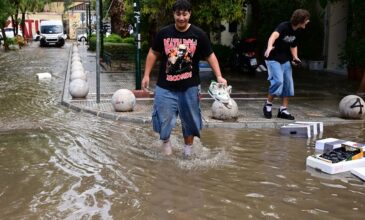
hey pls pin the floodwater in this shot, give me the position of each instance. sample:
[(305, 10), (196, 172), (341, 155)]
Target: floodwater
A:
[(60, 164)]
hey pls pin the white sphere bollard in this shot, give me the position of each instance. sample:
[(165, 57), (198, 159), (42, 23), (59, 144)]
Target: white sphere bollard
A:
[(79, 88), (75, 54), (225, 112), (77, 67), (77, 63), (352, 107), (78, 74), (123, 100), (76, 58)]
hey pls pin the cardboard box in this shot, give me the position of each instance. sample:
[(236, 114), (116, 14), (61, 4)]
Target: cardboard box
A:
[(359, 172), (333, 168), (317, 127), (296, 130)]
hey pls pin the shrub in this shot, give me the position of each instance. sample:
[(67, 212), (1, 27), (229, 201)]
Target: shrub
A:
[(10, 41), (128, 40), (120, 50), (113, 38)]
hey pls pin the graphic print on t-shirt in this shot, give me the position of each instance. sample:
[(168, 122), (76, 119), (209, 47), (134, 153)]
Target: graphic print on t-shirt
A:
[(289, 39), (179, 54)]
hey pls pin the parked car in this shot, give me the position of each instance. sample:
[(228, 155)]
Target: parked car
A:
[(83, 36), (9, 33)]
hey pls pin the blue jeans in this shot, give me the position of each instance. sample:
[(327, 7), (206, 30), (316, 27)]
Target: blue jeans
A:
[(169, 104), (280, 77)]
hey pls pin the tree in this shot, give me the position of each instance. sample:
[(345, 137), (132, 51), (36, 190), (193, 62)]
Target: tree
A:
[(5, 11), (116, 13), (205, 13), (29, 6)]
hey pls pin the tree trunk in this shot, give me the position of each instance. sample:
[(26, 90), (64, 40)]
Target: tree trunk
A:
[(116, 12), (6, 46), (14, 22), (22, 24)]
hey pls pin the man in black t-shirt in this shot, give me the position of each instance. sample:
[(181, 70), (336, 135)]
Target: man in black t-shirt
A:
[(179, 46), (281, 52)]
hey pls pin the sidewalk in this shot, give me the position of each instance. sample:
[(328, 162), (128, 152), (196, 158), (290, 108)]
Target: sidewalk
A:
[(317, 97)]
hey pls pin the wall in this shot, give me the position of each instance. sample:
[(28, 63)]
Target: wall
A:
[(32, 22), (337, 26)]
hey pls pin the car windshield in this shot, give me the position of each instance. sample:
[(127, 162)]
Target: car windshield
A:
[(51, 29)]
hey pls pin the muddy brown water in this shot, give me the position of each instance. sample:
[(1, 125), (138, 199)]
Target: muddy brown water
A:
[(60, 164)]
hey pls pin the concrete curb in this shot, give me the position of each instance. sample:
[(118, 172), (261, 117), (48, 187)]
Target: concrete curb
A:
[(251, 119)]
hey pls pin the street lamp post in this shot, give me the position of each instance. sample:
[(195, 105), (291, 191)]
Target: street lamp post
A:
[(87, 21), (89, 29), (137, 17), (98, 51)]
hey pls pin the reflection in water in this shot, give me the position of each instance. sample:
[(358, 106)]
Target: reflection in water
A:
[(56, 163)]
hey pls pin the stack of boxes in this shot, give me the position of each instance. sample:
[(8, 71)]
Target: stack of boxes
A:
[(338, 156), (333, 155), (302, 129)]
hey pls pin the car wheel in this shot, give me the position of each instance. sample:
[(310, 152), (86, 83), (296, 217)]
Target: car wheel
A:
[(83, 39), (61, 42), (42, 43)]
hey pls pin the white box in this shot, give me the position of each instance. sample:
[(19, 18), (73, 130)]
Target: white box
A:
[(333, 143), (359, 172), (317, 126), (297, 130), (320, 143), (333, 168)]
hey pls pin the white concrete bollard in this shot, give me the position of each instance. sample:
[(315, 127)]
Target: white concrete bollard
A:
[(78, 88), (78, 74), (77, 67), (123, 100), (76, 58), (352, 107)]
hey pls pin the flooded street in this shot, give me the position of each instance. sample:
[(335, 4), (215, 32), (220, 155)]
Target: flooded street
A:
[(56, 163)]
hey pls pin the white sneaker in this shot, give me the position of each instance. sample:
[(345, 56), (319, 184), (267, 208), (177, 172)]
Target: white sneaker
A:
[(187, 152), (263, 68), (167, 149), (220, 92)]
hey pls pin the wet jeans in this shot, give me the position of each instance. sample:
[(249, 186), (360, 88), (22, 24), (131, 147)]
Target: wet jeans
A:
[(170, 104), (280, 77)]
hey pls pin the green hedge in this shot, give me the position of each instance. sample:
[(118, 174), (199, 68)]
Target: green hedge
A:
[(117, 49), (113, 38)]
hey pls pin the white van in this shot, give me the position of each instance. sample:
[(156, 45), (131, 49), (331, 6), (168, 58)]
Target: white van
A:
[(52, 33)]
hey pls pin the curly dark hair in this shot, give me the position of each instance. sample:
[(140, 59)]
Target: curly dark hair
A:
[(299, 16)]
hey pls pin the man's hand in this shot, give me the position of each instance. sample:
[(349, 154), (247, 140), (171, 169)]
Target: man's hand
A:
[(296, 61), (145, 82), (268, 50), (222, 80)]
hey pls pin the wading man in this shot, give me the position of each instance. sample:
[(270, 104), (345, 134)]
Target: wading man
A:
[(179, 46)]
